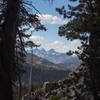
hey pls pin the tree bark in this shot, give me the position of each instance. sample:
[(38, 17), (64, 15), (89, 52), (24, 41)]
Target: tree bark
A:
[(94, 63), (7, 49), (19, 88)]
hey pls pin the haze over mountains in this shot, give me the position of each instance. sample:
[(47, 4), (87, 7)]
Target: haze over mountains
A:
[(41, 73), (41, 61), (51, 55), (49, 65), (63, 60), (42, 70)]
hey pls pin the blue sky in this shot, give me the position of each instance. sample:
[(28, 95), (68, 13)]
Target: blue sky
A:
[(52, 20)]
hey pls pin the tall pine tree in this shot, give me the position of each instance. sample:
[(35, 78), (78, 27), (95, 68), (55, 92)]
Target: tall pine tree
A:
[(85, 25), (14, 15)]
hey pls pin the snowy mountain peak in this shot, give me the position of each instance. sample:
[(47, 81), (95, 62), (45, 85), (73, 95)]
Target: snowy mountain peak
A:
[(52, 51), (43, 50), (58, 58)]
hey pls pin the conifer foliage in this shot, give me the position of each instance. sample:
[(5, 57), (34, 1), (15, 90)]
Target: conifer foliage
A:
[(85, 25), (16, 18)]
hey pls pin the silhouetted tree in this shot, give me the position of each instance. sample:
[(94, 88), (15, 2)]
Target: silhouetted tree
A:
[(85, 25), (14, 16)]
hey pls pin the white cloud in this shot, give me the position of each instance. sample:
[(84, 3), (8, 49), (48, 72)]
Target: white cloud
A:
[(59, 46), (58, 42), (50, 19), (36, 39), (62, 47)]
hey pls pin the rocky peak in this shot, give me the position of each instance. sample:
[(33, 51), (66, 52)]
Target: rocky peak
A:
[(52, 51)]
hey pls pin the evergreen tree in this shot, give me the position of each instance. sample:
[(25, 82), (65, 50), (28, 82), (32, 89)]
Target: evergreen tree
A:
[(14, 15), (85, 25)]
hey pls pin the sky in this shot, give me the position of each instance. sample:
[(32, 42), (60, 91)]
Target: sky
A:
[(52, 21)]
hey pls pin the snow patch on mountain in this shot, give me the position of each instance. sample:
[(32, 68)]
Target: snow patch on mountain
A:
[(53, 56)]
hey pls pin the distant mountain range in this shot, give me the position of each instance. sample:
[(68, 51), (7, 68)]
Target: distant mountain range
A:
[(49, 65), (62, 60), (52, 55), (42, 73), (42, 70), (41, 61)]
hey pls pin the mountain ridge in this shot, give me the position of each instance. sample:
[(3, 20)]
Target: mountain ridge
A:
[(41, 72), (60, 59)]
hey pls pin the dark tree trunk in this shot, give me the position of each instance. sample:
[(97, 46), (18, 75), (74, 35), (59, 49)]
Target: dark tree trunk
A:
[(7, 49), (5, 86), (19, 89), (94, 63)]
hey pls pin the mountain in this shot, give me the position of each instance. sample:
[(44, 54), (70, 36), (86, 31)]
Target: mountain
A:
[(39, 60), (62, 60), (71, 64), (42, 73), (51, 55), (42, 70)]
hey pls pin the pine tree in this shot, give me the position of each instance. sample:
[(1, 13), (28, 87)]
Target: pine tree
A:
[(14, 15), (85, 25)]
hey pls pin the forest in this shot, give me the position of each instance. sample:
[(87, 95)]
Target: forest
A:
[(82, 83)]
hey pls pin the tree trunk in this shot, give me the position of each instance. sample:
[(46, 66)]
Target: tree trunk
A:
[(7, 49), (5, 85), (19, 89), (94, 63)]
